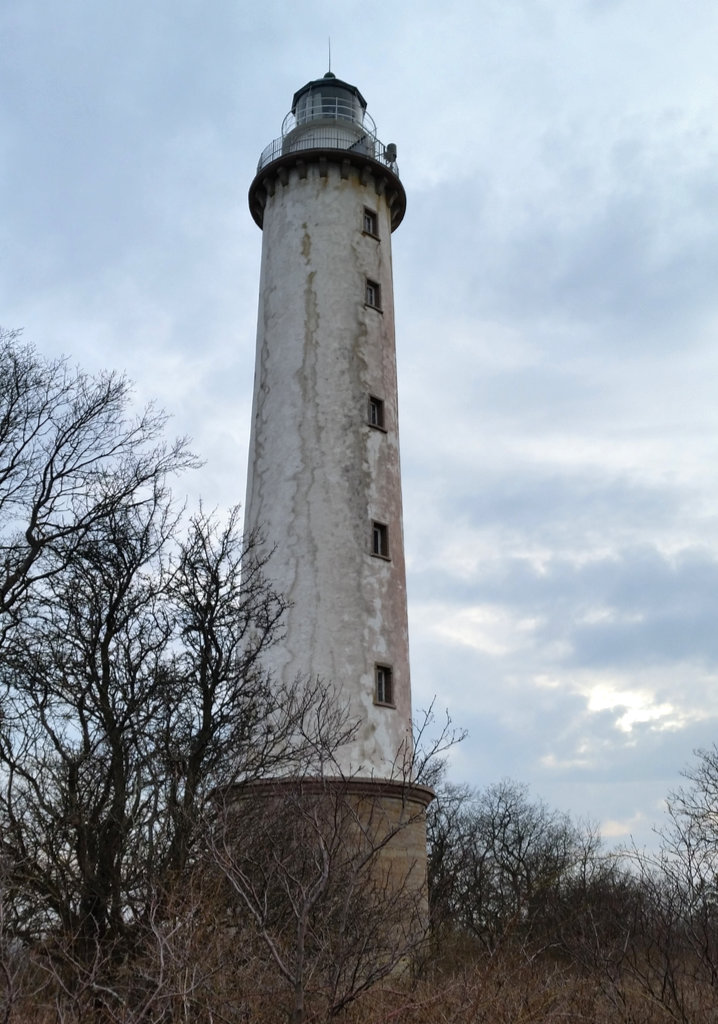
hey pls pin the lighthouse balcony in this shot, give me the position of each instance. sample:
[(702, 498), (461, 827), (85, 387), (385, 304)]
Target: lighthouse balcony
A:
[(329, 132)]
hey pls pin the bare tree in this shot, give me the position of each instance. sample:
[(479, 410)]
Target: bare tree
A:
[(133, 688), (71, 455), (499, 863), (132, 680), (673, 955)]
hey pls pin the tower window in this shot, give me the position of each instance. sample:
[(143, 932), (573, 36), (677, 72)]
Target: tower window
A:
[(376, 412), (371, 224), (383, 688), (372, 294), (380, 540)]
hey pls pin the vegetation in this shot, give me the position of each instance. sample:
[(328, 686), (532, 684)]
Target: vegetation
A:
[(141, 877)]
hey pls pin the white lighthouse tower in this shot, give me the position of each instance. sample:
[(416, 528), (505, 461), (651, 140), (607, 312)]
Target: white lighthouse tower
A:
[(324, 484)]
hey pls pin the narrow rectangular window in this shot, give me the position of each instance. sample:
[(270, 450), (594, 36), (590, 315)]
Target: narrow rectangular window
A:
[(376, 412), (371, 226), (372, 294), (383, 689), (380, 540)]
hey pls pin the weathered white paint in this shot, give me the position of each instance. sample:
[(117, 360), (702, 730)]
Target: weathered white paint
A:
[(319, 475)]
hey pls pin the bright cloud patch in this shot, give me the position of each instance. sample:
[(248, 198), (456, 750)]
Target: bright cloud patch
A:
[(635, 706), (490, 629)]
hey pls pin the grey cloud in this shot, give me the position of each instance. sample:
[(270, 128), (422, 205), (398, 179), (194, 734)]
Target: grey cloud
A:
[(637, 607), (616, 230), (553, 507)]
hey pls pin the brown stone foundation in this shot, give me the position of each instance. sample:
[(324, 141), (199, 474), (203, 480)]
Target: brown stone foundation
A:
[(368, 836)]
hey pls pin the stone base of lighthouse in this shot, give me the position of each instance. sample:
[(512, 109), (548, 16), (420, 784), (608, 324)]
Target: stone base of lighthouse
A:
[(344, 858)]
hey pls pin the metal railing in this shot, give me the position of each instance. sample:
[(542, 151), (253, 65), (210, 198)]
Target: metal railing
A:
[(328, 137), (329, 108)]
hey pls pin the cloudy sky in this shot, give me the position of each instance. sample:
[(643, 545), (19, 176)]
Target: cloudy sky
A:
[(557, 308)]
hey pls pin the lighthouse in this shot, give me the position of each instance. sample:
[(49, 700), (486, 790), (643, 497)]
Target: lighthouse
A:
[(324, 482)]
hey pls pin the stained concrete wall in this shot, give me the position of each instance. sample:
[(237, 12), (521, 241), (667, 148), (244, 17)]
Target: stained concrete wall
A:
[(319, 474)]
